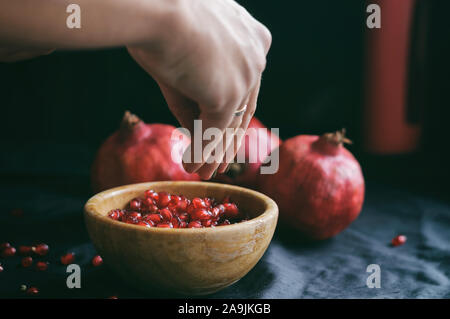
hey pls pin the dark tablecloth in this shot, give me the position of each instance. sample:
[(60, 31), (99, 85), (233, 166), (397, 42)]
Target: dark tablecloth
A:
[(290, 268)]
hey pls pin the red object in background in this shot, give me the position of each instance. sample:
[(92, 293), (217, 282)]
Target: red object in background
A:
[(395, 84), (319, 187), (140, 152)]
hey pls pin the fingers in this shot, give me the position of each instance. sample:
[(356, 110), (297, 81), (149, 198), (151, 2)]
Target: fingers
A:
[(239, 137), (209, 145), (228, 138), (184, 109)]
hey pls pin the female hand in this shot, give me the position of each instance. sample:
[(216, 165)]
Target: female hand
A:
[(208, 62)]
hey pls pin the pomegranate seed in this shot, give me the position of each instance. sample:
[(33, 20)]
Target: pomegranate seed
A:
[(113, 297), (155, 218), (41, 249), (25, 250), (163, 200), (1, 268), (116, 214), (27, 262), (182, 205), (8, 252), (32, 291), (175, 199), (149, 205), (218, 211), (144, 224), (166, 214), (135, 204), (4, 245), (97, 261), (198, 203), (175, 222), (68, 259), (135, 215), (207, 223), (231, 210), (195, 224), (183, 224), (399, 240), (41, 265), (165, 225), (201, 214), (151, 194)]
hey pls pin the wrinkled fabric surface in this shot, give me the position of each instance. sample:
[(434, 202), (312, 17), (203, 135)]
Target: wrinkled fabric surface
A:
[(290, 268)]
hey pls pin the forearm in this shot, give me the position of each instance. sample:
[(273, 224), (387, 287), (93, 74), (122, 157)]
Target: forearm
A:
[(104, 23)]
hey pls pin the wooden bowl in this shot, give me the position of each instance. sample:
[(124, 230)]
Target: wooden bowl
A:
[(193, 261)]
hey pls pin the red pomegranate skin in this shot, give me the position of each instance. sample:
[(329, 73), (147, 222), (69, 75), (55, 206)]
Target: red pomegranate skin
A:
[(319, 186), (247, 174), (139, 152)]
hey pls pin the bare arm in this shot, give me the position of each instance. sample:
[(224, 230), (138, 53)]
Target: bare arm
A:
[(206, 55), (41, 24)]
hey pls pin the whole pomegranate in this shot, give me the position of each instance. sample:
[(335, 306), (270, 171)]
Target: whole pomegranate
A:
[(319, 186), (247, 174), (139, 152)]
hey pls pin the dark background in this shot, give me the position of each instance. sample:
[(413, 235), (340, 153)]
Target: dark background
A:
[(57, 109)]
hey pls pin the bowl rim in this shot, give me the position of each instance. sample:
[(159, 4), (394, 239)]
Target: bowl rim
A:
[(270, 212)]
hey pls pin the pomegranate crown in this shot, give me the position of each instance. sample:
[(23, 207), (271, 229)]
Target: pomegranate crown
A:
[(337, 138), (129, 120)]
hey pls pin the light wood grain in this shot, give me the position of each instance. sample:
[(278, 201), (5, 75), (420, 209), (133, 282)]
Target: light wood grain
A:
[(188, 261)]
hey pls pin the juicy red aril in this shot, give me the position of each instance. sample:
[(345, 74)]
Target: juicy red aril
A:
[(1, 268), (97, 261), (198, 203), (25, 250), (41, 265), (165, 214), (116, 214), (135, 204), (201, 214), (195, 224), (165, 225), (163, 200), (41, 249), (136, 215), (27, 262), (182, 224), (207, 223), (231, 210), (175, 222), (399, 240), (32, 291), (155, 218), (144, 223), (151, 194), (8, 252), (68, 259)]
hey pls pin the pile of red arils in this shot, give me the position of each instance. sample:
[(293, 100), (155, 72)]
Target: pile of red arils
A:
[(161, 209)]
